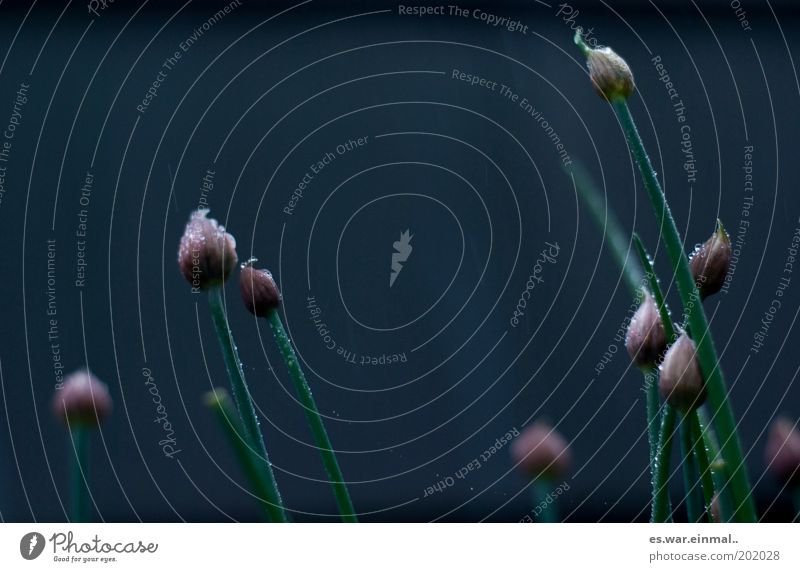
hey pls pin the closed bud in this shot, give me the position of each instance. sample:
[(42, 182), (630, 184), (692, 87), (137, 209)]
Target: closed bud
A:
[(681, 382), (541, 451), (710, 262), (82, 400), (646, 339), (782, 454), (610, 74), (207, 254), (260, 293)]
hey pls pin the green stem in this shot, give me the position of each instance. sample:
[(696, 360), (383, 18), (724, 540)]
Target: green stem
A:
[(314, 419), (80, 475), (653, 405), (541, 487), (701, 456), (661, 505), (693, 498), (263, 481), (731, 450), (241, 393)]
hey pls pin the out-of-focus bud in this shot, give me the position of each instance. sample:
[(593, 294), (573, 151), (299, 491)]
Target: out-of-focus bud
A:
[(540, 451), (207, 254), (260, 293), (82, 400), (714, 511), (782, 454), (681, 382), (710, 262), (610, 74), (646, 339)]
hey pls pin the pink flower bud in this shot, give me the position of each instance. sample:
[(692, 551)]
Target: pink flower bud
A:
[(82, 400), (681, 382), (646, 339), (710, 262), (207, 254), (541, 451), (260, 293), (782, 454)]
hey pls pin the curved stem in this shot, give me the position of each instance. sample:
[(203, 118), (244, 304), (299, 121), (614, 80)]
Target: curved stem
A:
[(731, 450), (80, 467), (239, 389), (661, 505), (263, 481), (314, 420), (607, 222), (717, 466)]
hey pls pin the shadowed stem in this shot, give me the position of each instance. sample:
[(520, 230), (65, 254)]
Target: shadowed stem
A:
[(263, 481), (239, 389), (730, 450), (79, 477), (661, 510), (607, 223), (314, 419)]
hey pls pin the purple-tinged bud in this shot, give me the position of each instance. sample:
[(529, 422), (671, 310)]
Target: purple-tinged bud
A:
[(646, 340), (782, 454), (710, 262), (610, 74), (541, 451), (260, 293), (207, 254), (82, 400), (714, 510), (681, 382)]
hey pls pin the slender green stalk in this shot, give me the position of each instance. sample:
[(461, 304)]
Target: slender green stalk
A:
[(540, 488), (655, 288), (653, 407), (661, 511), (693, 498), (731, 450), (239, 389), (703, 466), (263, 481), (314, 419), (80, 473), (609, 225)]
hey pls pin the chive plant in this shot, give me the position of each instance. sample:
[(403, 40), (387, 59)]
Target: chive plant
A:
[(696, 356), (81, 404)]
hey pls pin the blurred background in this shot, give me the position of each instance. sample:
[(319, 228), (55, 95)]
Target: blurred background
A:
[(124, 117)]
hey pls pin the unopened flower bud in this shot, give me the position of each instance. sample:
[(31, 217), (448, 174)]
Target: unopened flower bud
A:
[(541, 451), (710, 262), (207, 254), (82, 400), (681, 382), (260, 293), (646, 339), (610, 74), (782, 453)]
